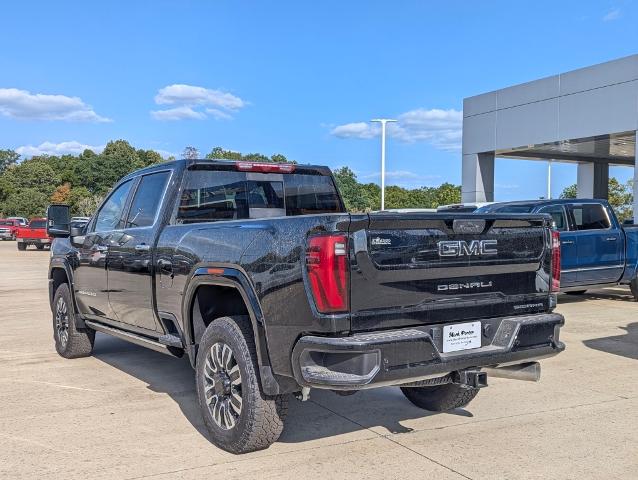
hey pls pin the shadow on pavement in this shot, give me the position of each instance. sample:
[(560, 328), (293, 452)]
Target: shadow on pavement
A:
[(326, 414), (618, 294), (625, 345)]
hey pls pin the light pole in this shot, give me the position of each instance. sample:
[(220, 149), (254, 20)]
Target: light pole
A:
[(549, 180), (383, 122)]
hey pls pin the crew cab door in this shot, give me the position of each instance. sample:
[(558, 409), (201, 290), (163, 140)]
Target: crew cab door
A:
[(130, 255), (90, 277), (568, 243), (601, 250)]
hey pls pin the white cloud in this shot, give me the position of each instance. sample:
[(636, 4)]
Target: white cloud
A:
[(611, 15), (49, 148), (178, 113), (440, 128), (192, 102), (25, 105), (356, 130), (218, 114)]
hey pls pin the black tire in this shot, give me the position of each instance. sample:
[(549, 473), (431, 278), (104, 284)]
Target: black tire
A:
[(69, 341), (260, 419), (22, 246), (576, 292), (40, 247), (633, 286), (440, 398)]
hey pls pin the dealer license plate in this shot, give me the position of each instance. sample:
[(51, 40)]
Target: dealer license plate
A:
[(463, 336)]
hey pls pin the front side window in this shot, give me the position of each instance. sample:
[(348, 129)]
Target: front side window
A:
[(147, 200), (558, 216), (590, 217), (110, 214)]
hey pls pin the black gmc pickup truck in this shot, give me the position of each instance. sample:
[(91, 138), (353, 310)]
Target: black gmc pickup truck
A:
[(258, 274)]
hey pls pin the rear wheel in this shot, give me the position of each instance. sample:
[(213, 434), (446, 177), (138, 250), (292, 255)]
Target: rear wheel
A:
[(39, 247), (440, 398), (634, 288), (22, 246), (69, 341), (238, 415)]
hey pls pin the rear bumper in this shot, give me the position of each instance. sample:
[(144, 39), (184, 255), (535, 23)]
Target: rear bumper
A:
[(35, 241), (394, 357)]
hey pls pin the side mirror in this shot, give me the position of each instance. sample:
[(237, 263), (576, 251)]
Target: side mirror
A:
[(58, 221)]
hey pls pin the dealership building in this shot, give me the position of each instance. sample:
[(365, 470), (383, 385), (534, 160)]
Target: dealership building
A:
[(587, 116)]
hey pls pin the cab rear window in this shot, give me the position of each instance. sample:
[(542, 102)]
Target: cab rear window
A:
[(215, 195)]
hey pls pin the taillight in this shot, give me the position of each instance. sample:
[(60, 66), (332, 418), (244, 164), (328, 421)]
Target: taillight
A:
[(327, 266), (265, 167), (555, 261)]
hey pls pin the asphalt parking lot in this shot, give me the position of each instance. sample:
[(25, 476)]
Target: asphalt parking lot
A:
[(128, 412)]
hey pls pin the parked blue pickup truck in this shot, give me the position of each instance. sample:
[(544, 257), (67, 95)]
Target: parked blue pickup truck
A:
[(596, 250)]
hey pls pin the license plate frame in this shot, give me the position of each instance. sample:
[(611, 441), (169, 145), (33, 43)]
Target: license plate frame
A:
[(462, 336)]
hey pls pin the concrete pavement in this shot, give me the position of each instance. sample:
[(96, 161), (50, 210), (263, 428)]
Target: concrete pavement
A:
[(128, 412)]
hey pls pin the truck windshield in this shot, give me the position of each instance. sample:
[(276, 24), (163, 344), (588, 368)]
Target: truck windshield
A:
[(214, 195)]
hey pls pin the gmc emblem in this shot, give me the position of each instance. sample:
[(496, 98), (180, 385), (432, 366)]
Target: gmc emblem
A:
[(461, 248)]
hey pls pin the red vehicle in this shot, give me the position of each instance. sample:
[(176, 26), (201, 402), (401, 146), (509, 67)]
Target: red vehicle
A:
[(8, 228), (34, 234)]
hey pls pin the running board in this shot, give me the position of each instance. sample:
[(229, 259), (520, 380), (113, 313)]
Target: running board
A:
[(136, 339)]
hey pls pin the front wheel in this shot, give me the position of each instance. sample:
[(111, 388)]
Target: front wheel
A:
[(22, 246), (238, 415), (633, 286), (69, 341), (440, 398)]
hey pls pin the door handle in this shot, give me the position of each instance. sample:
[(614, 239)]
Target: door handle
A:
[(165, 266), (142, 247), (101, 248), (611, 239), (567, 242)]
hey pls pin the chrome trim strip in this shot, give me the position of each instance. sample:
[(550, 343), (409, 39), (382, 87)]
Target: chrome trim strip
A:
[(592, 268)]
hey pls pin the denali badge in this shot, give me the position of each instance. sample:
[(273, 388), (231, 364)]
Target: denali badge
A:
[(463, 286), (460, 248), (381, 241)]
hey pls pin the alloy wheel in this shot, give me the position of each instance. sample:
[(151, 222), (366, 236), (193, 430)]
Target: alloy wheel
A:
[(222, 386), (62, 322)]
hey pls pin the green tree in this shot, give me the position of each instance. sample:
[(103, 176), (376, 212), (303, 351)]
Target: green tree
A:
[(27, 202), (218, 153), (621, 197), (7, 159), (356, 197)]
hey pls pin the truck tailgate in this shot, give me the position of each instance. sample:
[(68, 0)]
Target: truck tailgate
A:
[(415, 269)]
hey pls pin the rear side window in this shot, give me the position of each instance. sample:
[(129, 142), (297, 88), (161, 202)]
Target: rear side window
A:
[(590, 217), (147, 200), (214, 195), (558, 216)]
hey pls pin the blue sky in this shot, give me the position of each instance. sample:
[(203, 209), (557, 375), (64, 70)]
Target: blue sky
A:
[(297, 78)]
